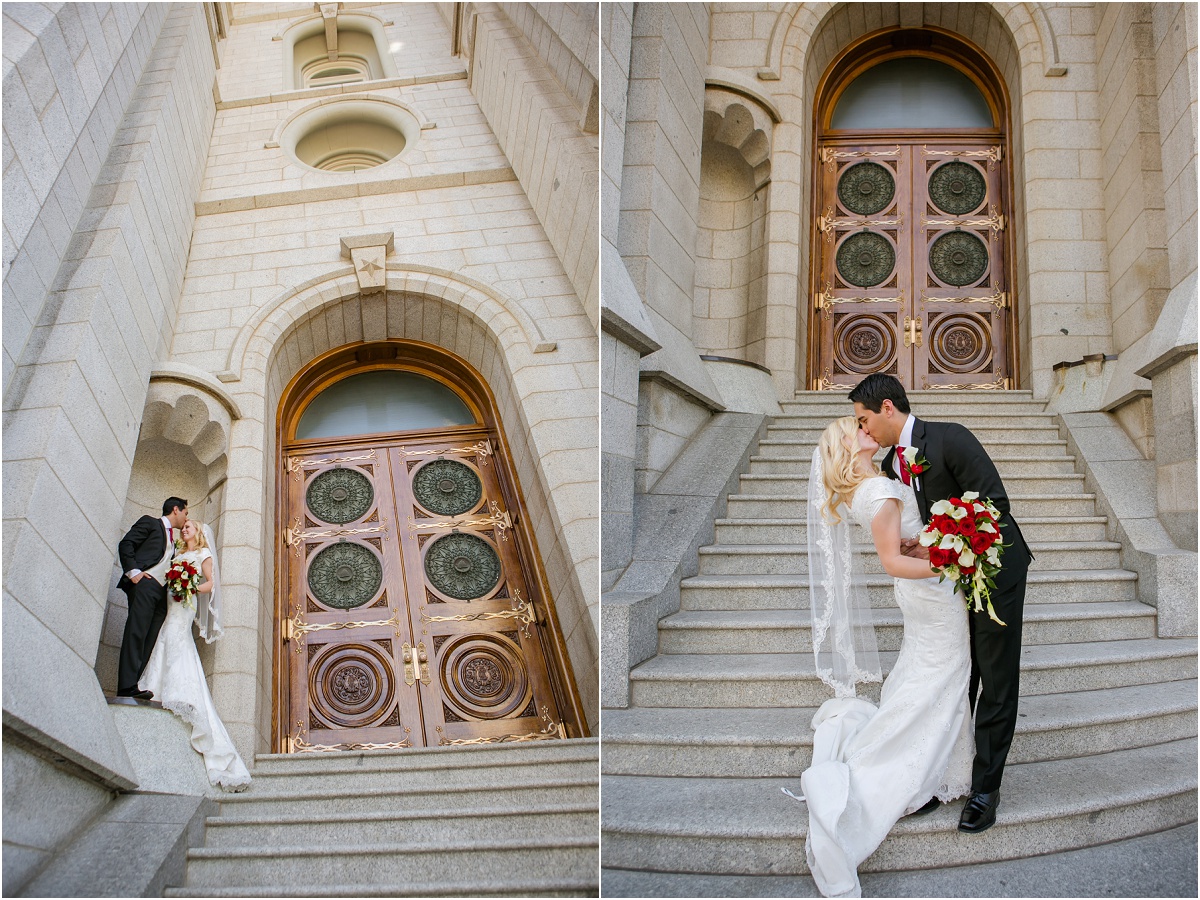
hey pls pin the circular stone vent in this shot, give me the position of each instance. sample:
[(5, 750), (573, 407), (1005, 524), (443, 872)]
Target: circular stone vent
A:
[(349, 135)]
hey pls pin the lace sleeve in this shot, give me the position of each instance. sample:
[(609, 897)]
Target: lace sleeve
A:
[(870, 497)]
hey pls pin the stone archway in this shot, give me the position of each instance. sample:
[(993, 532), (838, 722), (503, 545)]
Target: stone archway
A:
[(552, 430)]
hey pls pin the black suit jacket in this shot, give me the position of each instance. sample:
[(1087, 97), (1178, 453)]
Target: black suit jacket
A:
[(958, 463), (142, 547)]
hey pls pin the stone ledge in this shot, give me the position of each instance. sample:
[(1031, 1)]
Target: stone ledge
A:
[(1126, 490), (243, 202), (673, 521)]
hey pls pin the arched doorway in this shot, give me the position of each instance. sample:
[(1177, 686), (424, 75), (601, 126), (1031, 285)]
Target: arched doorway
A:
[(911, 253), (412, 610)]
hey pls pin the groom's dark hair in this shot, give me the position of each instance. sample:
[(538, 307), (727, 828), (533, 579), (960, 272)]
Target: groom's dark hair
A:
[(173, 503), (877, 387)]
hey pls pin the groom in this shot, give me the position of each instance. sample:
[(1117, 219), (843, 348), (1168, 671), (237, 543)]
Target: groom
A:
[(955, 463), (145, 553)]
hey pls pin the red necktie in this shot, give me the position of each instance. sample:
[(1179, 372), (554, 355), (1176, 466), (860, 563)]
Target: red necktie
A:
[(904, 471)]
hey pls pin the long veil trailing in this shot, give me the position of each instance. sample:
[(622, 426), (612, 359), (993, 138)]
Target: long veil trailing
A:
[(843, 633), (208, 606)]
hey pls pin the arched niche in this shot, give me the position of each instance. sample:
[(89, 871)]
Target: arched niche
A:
[(182, 451), (343, 48), (735, 168)]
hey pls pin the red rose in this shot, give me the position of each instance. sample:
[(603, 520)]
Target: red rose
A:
[(967, 526), (980, 543), (967, 570), (916, 468), (939, 557)]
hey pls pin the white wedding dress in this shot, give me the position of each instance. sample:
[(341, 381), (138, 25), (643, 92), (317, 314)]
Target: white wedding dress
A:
[(176, 677), (871, 766)]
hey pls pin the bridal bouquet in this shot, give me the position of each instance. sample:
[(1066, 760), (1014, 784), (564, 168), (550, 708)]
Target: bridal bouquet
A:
[(963, 537), (182, 579)]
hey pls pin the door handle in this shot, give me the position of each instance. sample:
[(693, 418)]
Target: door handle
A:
[(409, 674), (912, 331), (423, 659)]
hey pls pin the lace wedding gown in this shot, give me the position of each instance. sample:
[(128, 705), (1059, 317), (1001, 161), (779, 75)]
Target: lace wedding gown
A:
[(873, 765), (176, 677)]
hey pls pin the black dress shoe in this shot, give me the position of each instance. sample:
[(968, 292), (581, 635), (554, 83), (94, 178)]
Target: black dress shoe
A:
[(135, 693), (925, 810), (980, 812)]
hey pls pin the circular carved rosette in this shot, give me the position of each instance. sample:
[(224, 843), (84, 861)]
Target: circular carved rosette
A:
[(958, 258), (462, 566), (345, 575), (351, 685), (340, 496), (483, 676), (864, 342), (866, 188), (957, 188), (960, 343), (446, 487), (866, 259)]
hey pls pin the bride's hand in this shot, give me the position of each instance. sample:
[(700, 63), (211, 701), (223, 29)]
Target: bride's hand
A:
[(912, 547)]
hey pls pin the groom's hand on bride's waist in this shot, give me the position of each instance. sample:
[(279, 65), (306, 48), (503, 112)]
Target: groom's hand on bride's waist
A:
[(912, 547)]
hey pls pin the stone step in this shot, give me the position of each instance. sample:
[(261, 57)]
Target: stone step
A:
[(526, 886), (789, 630), (1029, 449), (383, 777), (761, 591), (746, 825), (348, 861), (331, 800), (792, 559), (973, 419), (441, 759), (698, 743), (795, 530), (799, 431), (784, 504), (1070, 483), (789, 679), (799, 464), (430, 826)]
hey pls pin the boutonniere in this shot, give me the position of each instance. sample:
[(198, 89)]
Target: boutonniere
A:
[(180, 545), (917, 464)]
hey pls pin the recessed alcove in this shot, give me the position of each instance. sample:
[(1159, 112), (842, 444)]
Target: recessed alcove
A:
[(349, 135)]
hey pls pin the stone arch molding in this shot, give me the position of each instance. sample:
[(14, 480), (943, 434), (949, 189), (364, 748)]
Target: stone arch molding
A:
[(500, 315), (805, 18), (744, 126)]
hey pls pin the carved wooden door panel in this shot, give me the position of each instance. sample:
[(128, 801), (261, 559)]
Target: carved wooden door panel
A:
[(346, 620), (481, 668), (959, 266), (864, 289), (910, 264), (410, 618)]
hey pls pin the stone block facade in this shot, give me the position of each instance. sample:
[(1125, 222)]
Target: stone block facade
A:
[(171, 262)]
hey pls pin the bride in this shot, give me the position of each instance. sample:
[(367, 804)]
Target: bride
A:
[(871, 766), (174, 673)]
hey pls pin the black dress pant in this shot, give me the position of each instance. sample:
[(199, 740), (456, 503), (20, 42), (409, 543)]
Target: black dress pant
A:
[(147, 610), (996, 676)]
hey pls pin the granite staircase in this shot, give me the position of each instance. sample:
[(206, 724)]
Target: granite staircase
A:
[(509, 820), (718, 721)]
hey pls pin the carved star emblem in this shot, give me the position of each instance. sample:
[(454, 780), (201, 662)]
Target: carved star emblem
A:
[(370, 267)]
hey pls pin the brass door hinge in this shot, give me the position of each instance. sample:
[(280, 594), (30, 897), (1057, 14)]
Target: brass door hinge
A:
[(912, 331)]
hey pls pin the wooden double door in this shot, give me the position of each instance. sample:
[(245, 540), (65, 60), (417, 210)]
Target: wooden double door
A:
[(410, 615), (910, 263)]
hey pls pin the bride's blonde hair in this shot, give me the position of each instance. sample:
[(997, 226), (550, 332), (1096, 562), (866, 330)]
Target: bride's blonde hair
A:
[(201, 540), (839, 449)]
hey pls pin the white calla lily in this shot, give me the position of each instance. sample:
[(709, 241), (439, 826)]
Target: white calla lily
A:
[(969, 496)]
